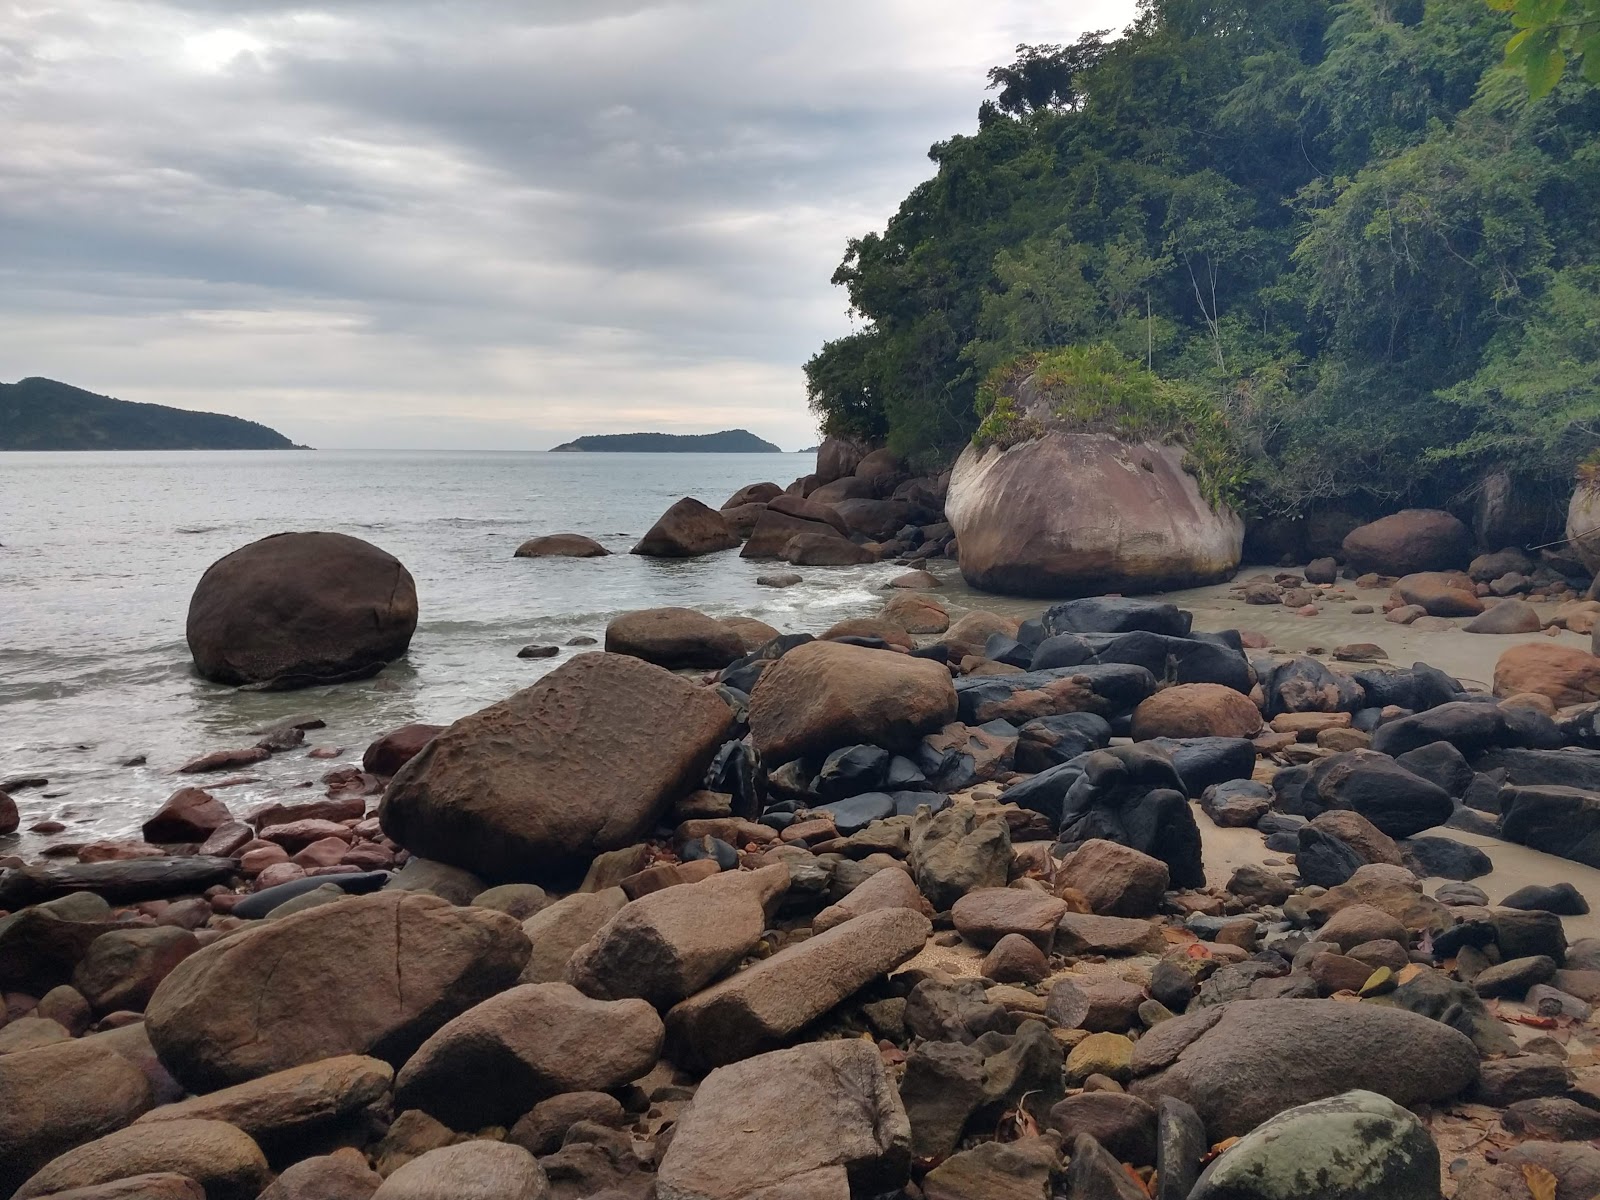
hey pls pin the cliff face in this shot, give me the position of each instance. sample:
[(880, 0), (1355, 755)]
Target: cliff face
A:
[(41, 414), (729, 441)]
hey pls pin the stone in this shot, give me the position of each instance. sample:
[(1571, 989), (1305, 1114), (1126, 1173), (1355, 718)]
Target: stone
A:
[(1567, 675), (1370, 783), (1409, 541), (1552, 1119), (1355, 1146), (1078, 514), (1117, 880), (450, 957), (779, 579), (985, 915), (387, 754), (1015, 959), (299, 609), (1021, 1170), (188, 815), (561, 545), (158, 1185), (1369, 842), (540, 783), (1444, 858), (1094, 1173), (517, 900), (1227, 1060), (477, 1170), (1509, 616), (222, 1159), (1080, 934), (952, 853), (1503, 1081), (687, 530), (768, 1002), (1097, 1005), (1359, 923), (1196, 710), (1257, 886), (123, 967), (61, 1096), (1047, 742), (1181, 1143), (674, 638), (342, 1176), (888, 888), (668, 945), (1237, 803), (1560, 898), (1514, 977), (824, 550), (782, 1116), (824, 695), (492, 1063), (1440, 594), (1123, 1124), (542, 1129)]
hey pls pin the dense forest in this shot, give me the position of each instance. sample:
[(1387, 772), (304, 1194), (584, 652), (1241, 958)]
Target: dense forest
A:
[(42, 414), (1349, 232)]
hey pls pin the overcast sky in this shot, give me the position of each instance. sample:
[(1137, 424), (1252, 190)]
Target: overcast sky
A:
[(467, 223)]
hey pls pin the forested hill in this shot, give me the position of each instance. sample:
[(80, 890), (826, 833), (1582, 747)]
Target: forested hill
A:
[(41, 414), (729, 441), (1344, 226)]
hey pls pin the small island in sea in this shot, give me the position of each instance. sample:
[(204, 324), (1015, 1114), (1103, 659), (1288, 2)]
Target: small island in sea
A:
[(729, 441), (42, 414)]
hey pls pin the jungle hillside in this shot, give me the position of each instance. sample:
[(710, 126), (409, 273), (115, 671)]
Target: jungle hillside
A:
[(1358, 237)]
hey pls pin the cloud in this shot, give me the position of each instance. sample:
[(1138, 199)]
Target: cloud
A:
[(396, 223)]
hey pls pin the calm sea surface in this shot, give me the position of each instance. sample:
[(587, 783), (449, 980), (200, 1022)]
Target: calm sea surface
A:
[(99, 553)]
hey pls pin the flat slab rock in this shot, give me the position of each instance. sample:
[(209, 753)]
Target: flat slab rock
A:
[(786, 1118)]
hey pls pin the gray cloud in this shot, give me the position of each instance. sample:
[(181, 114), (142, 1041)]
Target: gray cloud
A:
[(488, 222)]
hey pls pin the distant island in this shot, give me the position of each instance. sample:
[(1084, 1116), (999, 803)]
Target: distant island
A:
[(729, 441), (41, 414)]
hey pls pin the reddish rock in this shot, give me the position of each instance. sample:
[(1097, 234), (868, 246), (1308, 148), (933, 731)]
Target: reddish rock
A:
[(1440, 593), (1117, 880), (825, 550), (325, 852), (686, 530), (283, 872), (1416, 539), (112, 851), (227, 840), (224, 760), (916, 613), (189, 815), (253, 862), (1567, 675), (1196, 710), (985, 915), (124, 967), (9, 816), (297, 835), (810, 510), (673, 638), (774, 530), (891, 887), (398, 747), (561, 545), (298, 609), (753, 493)]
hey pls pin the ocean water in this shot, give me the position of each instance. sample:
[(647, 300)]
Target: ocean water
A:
[(99, 553)]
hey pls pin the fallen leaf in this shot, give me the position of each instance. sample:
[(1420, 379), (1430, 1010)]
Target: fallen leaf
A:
[(1540, 1182), (1407, 973)]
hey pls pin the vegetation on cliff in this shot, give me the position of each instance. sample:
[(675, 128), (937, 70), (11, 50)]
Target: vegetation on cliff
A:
[(41, 414), (729, 441), (1347, 228)]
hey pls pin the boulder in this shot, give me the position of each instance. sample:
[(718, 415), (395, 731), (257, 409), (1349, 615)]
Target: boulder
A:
[(498, 1059), (824, 695), (985, 915), (1440, 593), (558, 931), (1567, 675), (875, 519), (10, 818), (953, 852), (545, 1126), (753, 493), (1583, 525), (561, 545), (476, 1170), (825, 550), (669, 944), (790, 1117), (686, 530), (299, 609), (123, 967), (1117, 880), (1355, 1146), (971, 634), (385, 756), (1417, 539), (320, 983), (915, 613), (1085, 513), (280, 1109), (1196, 710), (1022, 1170), (673, 638), (222, 1159), (1396, 801), (838, 457), (158, 1185), (189, 815), (61, 1096), (1509, 616), (1228, 1061), (888, 888), (341, 1176), (584, 761), (774, 530), (767, 1003)]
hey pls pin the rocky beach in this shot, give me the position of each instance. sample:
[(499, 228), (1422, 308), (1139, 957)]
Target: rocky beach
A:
[(1278, 886)]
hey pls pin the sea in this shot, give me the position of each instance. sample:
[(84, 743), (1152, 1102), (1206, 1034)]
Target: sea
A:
[(100, 552)]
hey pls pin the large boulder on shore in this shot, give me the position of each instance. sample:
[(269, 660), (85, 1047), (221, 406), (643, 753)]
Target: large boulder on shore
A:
[(1564, 673), (674, 637), (371, 975), (1241, 1063), (1078, 514), (1407, 542), (582, 762), (824, 695), (823, 1118), (838, 457), (299, 609), (686, 530), (1583, 525)]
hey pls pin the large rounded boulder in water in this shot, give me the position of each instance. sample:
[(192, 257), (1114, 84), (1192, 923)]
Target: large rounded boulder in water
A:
[(300, 609), (1081, 514)]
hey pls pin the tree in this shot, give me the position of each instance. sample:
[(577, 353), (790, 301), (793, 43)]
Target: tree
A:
[(1046, 77), (1550, 34)]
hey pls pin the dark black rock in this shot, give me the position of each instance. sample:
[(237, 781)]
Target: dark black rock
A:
[(1106, 689), (1445, 858), (1470, 728), (1236, 803), (1386, 688), (1063, 650), (1306, 685), (1181, 1143), (1470, 820), (708, 847), (1116, 614), (856, 813), (907, 803), (1205, 762), (1523, 934), (1290, 788), (1396, 801), (1366, 720), (1050, 741), (1439, 763), (937, 652), (1560, 898), (852, 771), (1279, 822), (1558, 820), (120, 882), (1323, 859), (1545, 768), (1450, 942), (744, 678), (1532, 730), (1095, 1174), (733, 772), (1431, 687), (1002, 649), (1031, 632), (1582, 728), (257, 905), (903, 775), (1282, 843), (1483, 793)]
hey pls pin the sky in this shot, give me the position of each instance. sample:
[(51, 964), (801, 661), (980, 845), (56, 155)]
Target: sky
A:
[(467, 224)]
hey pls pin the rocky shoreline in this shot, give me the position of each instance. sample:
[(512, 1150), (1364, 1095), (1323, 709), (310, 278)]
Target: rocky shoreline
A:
[(922, 907)]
